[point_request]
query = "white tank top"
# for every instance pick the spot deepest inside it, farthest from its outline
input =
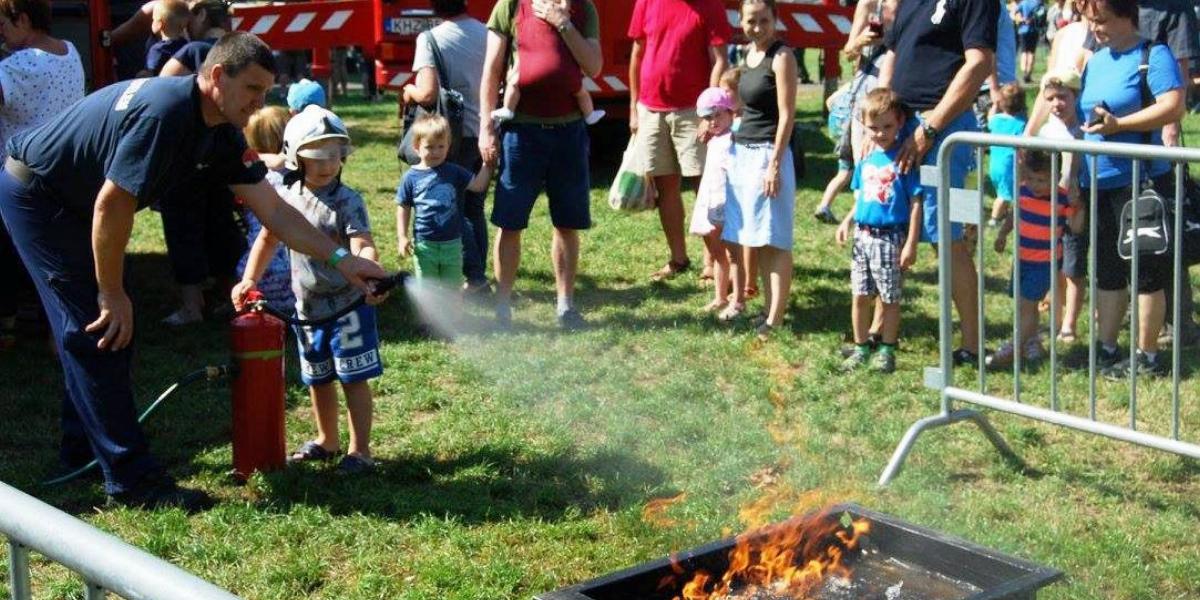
(1069, 40)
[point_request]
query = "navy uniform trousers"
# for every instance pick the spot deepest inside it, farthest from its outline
(98, 413)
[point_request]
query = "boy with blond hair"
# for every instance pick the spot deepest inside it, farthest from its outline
(168, 23)
(887, 216)
(432, 192)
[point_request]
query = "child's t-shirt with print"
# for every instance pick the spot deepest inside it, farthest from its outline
(883, 195)
(340, 213)
(436, 197)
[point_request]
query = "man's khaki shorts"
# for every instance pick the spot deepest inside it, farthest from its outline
(671, 141)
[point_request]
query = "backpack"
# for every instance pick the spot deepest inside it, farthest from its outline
(449, 104)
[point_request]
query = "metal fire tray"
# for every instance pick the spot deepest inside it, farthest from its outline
(898, 561)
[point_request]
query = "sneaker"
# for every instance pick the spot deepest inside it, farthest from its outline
(161, 491)
(873, 341)
(1106, 359)
(858, 359)
(962, 356)
(571, 320)
(825, 215)
(884, 362)
(1000, 358)
(1145, 368)
(478, 290)
(1034, 350)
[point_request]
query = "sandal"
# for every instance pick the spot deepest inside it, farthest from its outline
(763, 331)
(750, 292)
(1066, 337)
(670, 270)
(731, 312)
(353, 464)
(311, 451)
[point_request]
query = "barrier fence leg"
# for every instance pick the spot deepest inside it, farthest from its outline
(18, 571)
(910, 439)
(93, 591)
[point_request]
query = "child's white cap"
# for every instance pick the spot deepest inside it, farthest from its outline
(313, 124)
(1067, 78)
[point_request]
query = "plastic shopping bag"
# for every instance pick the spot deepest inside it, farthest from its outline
(632, 188)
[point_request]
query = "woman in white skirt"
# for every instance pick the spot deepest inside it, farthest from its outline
(761, 192)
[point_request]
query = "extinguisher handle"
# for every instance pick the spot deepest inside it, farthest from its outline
(387, 284)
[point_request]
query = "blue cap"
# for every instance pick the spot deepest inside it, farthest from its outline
(304, 93)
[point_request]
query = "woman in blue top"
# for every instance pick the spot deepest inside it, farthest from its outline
(1112, 77)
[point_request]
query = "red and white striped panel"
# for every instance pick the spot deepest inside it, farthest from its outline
(302, 22)
(605, 84)
(793, 22)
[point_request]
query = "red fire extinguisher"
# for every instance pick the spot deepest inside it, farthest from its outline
(257, 340)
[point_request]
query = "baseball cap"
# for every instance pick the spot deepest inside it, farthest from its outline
(713, 99)
(304, 93)
(1067, 78)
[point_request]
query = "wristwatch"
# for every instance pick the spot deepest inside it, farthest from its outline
(565, 26)
(930, 131)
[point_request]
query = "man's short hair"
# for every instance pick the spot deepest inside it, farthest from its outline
(448, 8)
(1124, 9)
(881, 101)
(430, 127)
(236, 51)
(38, 12)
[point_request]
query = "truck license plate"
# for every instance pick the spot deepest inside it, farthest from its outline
(406, 26)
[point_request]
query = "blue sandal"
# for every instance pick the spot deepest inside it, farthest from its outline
(310, 451)
(352, 464)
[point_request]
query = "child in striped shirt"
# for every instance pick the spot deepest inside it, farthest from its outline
(1035, 207)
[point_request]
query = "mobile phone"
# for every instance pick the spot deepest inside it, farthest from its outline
(1096, 117)
(876, 27)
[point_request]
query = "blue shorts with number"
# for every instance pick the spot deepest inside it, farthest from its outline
(346, 350)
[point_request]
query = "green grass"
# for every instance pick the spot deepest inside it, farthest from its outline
(517, 464)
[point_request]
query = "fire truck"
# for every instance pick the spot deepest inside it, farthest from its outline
(386, 31)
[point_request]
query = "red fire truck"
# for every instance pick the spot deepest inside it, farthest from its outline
(386, 31)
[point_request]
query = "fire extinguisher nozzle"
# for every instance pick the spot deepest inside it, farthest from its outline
(383, 286)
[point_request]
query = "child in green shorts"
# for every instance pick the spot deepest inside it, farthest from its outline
(432, 191)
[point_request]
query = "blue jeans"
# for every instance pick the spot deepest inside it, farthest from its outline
(962, 162)
(56, 247)
(474, 234)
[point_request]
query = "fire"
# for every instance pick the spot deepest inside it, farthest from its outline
(789, 560)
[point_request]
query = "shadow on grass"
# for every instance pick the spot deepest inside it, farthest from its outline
(490, 483)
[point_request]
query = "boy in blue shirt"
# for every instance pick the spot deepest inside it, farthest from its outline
(887, 212)
(1008, 120)
(433, 191)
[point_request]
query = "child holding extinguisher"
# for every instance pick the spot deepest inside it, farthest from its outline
(315, 144)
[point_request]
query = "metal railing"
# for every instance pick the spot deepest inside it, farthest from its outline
(967, 206)
(106, 564)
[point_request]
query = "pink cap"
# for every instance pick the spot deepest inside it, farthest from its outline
(713, 99)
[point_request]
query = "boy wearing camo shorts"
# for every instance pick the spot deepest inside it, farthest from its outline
(886, 225)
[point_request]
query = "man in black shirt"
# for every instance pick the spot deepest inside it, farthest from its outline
(946, 49)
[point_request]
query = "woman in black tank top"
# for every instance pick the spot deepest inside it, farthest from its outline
(762, 184)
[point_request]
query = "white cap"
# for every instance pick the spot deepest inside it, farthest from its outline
(314, 124)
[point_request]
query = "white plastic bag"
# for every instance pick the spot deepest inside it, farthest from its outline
(632, 188)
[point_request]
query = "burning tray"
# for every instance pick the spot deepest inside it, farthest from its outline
(846, 552)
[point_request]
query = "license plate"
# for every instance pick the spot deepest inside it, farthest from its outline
(406, 26)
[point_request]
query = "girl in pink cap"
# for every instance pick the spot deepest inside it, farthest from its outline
(716, 107)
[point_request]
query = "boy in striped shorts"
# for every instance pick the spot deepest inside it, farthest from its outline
(886, 225)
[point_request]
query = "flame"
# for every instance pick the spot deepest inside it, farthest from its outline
(789, 560)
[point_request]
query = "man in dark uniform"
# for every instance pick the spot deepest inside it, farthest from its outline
(68, 197)
(947, 49)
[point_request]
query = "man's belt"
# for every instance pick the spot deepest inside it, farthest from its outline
(19, 170)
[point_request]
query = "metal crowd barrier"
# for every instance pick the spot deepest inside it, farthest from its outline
(967, 206)
(106, 564)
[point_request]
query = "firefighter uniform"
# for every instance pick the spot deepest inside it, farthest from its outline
(148, 137)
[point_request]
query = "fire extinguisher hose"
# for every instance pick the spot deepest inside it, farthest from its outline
(382, 286)
(211, 373)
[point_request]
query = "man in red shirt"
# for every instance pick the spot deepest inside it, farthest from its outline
(678, 50)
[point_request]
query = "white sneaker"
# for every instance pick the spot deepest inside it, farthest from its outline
(501, 115)
(593, 118)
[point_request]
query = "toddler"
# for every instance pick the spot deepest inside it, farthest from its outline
(432, 190)
(512, 96)
(168, 23)
(1008, 120)
(264, 135)
(716, 107)
(316, 144)
(1033, 251)
(888, 216)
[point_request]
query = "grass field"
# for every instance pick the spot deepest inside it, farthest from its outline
(517, 464)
